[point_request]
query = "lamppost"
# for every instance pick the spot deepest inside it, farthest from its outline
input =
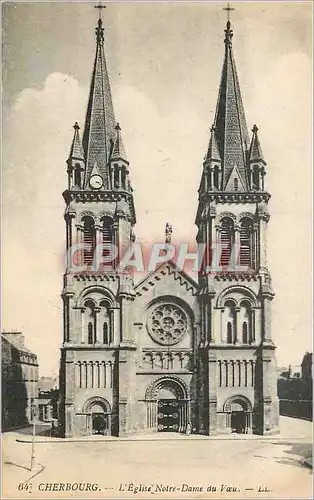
(33, 415)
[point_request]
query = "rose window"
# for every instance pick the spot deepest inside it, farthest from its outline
(167, 324)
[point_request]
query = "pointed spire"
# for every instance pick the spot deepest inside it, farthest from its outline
(99, 130)
(255, 153)
(118, 148)
(76, 150)
(230, 124)
(213, 151)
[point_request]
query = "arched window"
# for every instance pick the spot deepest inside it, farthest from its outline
(226, 240)
(255, 178)
(108, 241)
(216, 177)
(123, 178)
(244, 333)
(236, 184)
(89, 240)
(116, 177)
(246, 243)
(229, 332)
(105, 334)
(90, 330)
(230, 322)
(77, 176)
(247, 322)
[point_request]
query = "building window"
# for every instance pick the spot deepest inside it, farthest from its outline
(226, 241)
(229, 332)
(246, 243)
(236, 184)
(77, 176)
(247, 322)
(89, 240)
(108, 242)
(216, 177)
(244, 333)
(90, 333)
(256, 178)
(105, 334)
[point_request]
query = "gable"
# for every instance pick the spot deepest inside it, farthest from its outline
(168, 269)
(235, 179)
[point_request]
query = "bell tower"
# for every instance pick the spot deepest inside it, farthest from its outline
(97, 367)
(237, 366)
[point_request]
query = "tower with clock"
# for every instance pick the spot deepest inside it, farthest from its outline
(167, 354)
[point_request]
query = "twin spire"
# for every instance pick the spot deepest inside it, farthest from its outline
(102, 135)
(229, 142)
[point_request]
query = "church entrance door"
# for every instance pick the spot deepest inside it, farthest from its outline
(100, 423)
(168, 415)
(238, 422)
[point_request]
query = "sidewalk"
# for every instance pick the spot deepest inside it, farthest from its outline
(161, 437)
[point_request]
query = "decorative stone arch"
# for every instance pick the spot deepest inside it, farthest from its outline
(179, 384)
(225, 215)
(87, 213)
(240, 400)
(245, 215)
(107, 295)
(87, 407)
(103, 215)
(245, 292)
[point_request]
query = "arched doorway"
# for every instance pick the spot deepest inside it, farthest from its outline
(238, 411)
(99, 416)
(167, 403)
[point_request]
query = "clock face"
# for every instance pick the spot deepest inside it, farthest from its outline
(96, 182)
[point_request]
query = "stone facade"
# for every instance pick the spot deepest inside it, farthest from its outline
(19, 380)
(167, 354)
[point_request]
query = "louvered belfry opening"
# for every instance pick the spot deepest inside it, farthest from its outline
(89, 240)
(246, 236)
(108, 243)
(226, 241)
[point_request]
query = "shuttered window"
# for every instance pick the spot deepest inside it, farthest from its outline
(107, 239)
(246, 232)
(90, 240)
(226, 239)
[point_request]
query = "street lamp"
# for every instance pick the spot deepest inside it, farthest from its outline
(33, 415)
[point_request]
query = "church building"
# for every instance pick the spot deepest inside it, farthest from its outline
(168, 353)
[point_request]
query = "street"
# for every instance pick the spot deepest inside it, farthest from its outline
(172, 466)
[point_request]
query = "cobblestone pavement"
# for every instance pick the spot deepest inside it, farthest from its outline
(178, 467)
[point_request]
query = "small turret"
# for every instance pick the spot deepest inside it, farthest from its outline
(256, 163)
(76, 162)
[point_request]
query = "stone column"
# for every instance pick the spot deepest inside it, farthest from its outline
(266, 315)
(112, 177)
(212, 393)
(120, 177)
(116, 326)
(263, 220)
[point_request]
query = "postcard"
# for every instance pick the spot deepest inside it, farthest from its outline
(157, 264)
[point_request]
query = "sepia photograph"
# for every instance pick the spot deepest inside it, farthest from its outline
(156, 330)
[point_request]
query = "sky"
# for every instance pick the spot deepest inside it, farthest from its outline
(165, 62)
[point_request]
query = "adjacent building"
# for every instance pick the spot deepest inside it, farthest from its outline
(19, 380)
(168, 352)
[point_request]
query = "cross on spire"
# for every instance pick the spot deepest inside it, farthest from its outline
(100, 30)
(99, 7)
(228, 9)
